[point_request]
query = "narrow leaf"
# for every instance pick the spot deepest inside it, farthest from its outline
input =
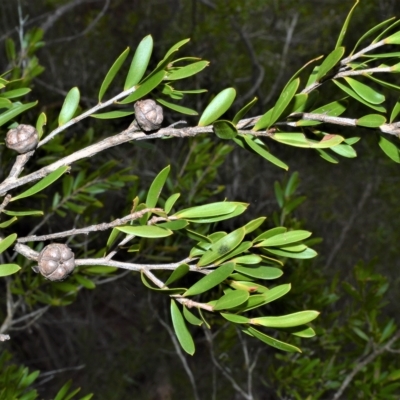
(191, 318)
(41, 121)
(177, 108)
(113, 114)
(147, 231)
(231, 300)
(182, 333)
(188, 70)
(390, 149)
(43, 183)
(345, 26)
(207, 210)
(243, 111)
(156, 187)
(330, 61)
(15, 110)
(371, 121)
(272, 341)
(112, 73)
(8, 269)
(179, 273)
(140, 62)
(218, 106)
(7, 242)
(69, 107)
(211, 280)
(260, 271)
(366, 92)
(170, 202)
(225, 129)
(286, 321)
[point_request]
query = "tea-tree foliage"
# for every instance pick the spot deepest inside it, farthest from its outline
(225, 273)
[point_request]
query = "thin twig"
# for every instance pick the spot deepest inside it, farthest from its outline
(182, 357)
(92, 228)
(360, 365)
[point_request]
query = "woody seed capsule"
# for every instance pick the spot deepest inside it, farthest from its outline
(22, 139)
(149, 115)
(56, 261)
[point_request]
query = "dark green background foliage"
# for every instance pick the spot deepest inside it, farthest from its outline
(116, 341)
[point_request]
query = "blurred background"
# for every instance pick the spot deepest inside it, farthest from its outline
(110, 341)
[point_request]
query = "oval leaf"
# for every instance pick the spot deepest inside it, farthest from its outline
(225, 129)
(43, 183)
(8, 269)
(7, 242)
(211, 280)
(41, 121)
(366, 92)
(390, 149)
(260, 271)
(156, 187)
(285, 238)
(191, 318)
(218, 106)
(207, 210)
(188, 70)
(179, 273)
(222, 247)
(140, 62)
(69, 107)
(371, 121)
(231, 300)
(330, 61)
(147, 231)
(112, 72)
(286, 321)
(182, 333)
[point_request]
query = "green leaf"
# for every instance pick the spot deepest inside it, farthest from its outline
(112, 73)
(5, 103)
(179, 273)
(284, 100)
(371, 121)
(12, 94)
(243, 247)
(243, 111)
(158, 289)
(156, 187)
(272, 341)
(304, 333)
(174, 225)
(147, 231)
(182, 333)
(191, 318)
(16, 109)
(188, 70)
(211, 280)
(393, 39)
(263, 152)
(176, 47)
(390, 149)
(9, 222)
(345, 26)
(222, 247)
(7, 242)
(298, 72)
(170, 202)
(86, 283)
(207, 210)
(225, 129)
(254, 224)
(8, 269)
(270, 233)
(248, 259)
(330, 61)
(232, 299)
(264, 121)
(177, 108)
(285, 238)
(100, 269)
(41, 121)
(63, 391)
(113, 114)
(218, 106)
(236, 319)
(69, 107)
(140, 62)
(395, 111)
(260, 271)
(371, 31)
(344, 150)
(23, 213)
(276, 292)
(43, 183)
(366, 92)
(353, 94)
(145, 88)
(302, 255)
(286, 321)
